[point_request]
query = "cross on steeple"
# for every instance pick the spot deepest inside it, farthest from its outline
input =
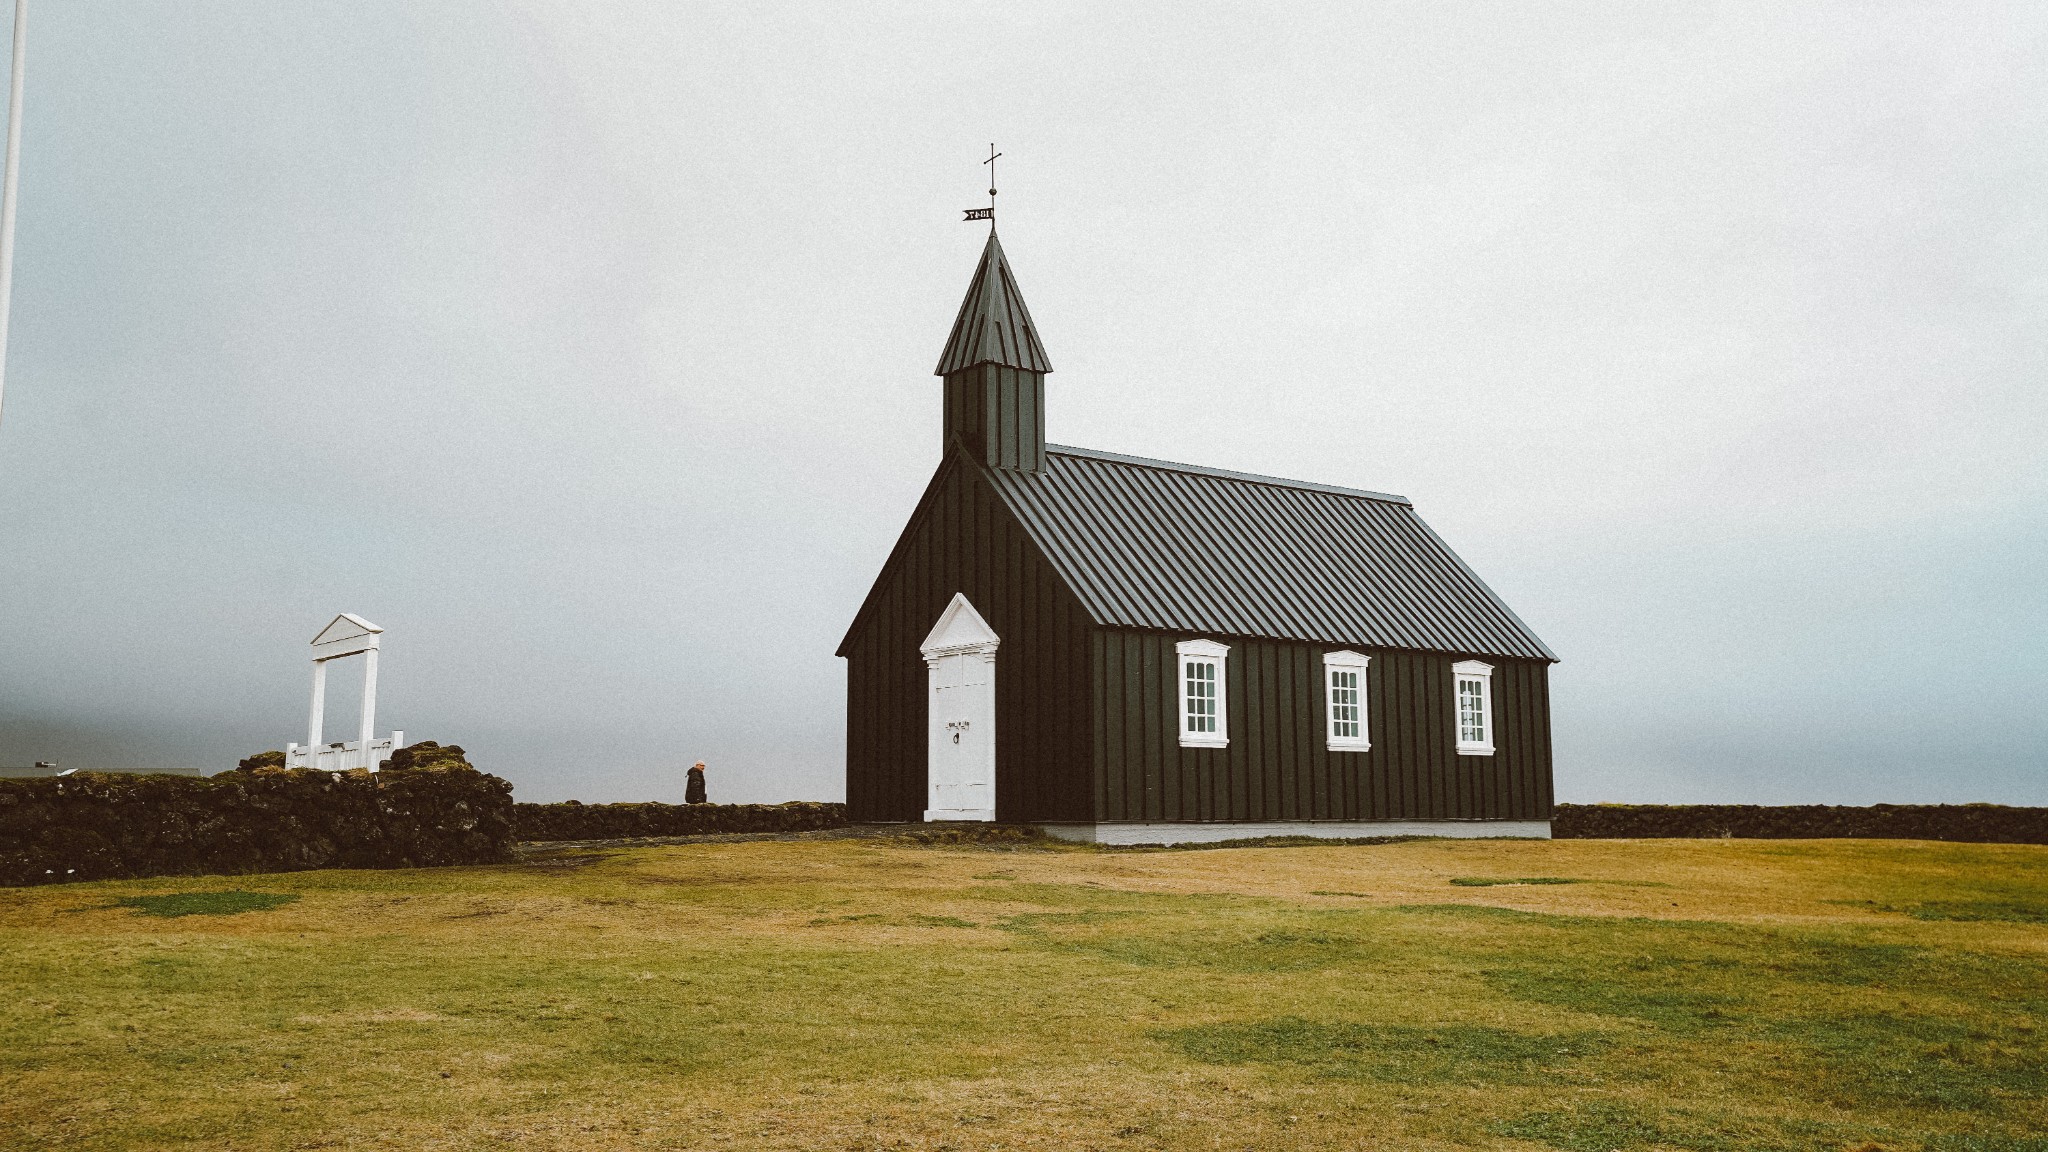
(988, 213)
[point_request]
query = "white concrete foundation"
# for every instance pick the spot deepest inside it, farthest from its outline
(1324, 829)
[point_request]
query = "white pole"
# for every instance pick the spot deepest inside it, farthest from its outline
(369, 727)
(319, 710)
(7, 196)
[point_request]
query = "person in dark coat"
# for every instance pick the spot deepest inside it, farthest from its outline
(693, 791)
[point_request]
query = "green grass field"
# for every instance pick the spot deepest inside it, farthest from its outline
(873, 994)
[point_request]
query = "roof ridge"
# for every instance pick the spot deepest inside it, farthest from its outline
(1225, 473)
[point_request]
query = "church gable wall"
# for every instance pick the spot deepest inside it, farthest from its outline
(1278, 766)
(964, 541)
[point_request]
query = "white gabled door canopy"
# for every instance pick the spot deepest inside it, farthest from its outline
(960, 629)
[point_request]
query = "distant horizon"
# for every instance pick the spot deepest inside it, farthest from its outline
(18, 773)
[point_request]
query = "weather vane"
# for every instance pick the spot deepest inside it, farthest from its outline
(988, 213)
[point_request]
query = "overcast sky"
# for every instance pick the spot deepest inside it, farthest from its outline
(586, 349)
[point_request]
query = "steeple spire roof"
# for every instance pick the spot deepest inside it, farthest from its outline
(994, 326)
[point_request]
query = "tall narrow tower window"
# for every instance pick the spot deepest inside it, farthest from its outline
(1204, 708)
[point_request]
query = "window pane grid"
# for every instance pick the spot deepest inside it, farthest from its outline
(1471, 712)
(1343, 704)
(1201, 689)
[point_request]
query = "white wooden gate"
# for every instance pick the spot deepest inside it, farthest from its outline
(346, 635)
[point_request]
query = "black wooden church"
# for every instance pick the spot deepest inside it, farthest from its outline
(1135, 651)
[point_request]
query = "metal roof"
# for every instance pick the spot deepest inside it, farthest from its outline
(994, 326)
(1225, 473)
(1152, 544)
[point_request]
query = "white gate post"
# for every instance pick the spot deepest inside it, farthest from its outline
(313, 722)
(369, 724)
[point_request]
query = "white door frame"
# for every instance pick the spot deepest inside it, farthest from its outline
(962, 633)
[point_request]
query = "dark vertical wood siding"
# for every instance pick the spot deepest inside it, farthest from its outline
(999, 412)
(965, 541)
(1278, 765)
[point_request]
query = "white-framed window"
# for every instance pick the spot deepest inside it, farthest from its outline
(1472, 682)
(1348, 728)
(1204, 711)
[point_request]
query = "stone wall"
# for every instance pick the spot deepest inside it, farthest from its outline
(576, 821)
(1975, 823)
(95, 826)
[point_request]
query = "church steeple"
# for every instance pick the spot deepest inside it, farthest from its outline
(994, 326)
(994, 368)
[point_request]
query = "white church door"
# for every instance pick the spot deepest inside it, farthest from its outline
(960, 658)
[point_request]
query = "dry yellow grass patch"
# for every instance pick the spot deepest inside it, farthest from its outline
(872, 995)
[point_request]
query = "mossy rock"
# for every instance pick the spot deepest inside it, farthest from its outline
(428, 754)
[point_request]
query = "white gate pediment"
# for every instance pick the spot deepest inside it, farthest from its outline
(346, 635)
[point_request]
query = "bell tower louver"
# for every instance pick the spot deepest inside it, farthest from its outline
(994, 370)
